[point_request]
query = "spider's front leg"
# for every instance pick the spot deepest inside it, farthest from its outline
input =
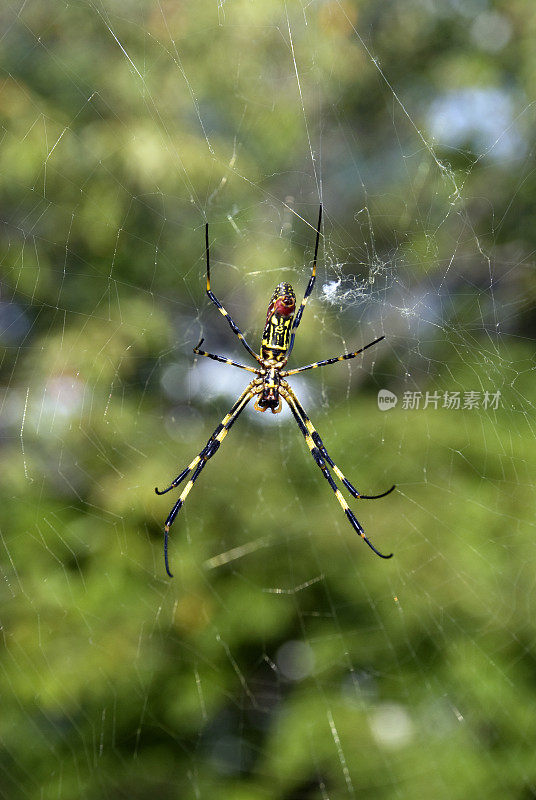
(315, 436)
(199, 462)
(320, 455)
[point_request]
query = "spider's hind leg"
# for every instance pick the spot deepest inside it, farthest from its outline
(234, 327)
(309, 289)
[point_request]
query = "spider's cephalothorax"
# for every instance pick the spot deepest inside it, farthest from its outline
(269, 392)
(269, 387)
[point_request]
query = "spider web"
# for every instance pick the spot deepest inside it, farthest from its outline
(284, 660)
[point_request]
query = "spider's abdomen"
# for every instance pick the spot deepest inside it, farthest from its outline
(276, 335)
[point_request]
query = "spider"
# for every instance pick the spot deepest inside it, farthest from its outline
(269, 387)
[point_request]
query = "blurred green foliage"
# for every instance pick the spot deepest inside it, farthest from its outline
(284, 660)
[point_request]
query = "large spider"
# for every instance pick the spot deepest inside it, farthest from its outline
(269, 386)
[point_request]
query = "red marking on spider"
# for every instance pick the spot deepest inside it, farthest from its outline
(284, 306)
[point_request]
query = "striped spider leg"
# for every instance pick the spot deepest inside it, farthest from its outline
(200, 462)
(334, 360)
(234, 327)
(223, 360)
(321, 456)
(308, 290)
(270, 388)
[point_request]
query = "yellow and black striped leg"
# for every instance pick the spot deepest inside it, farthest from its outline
(312, 279)
(199, 463)
(334, 360)
(182, 475)
(321, 463)
(234, 327)
(223, 359)
(315, 436)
